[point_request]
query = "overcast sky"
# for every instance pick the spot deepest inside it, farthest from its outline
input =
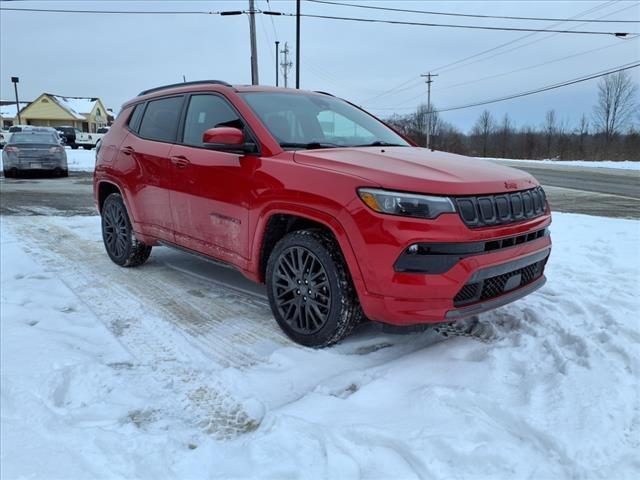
(115, 56)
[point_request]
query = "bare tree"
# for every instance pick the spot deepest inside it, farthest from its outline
(616, 104)
(483, 129)
(504, 135)
(549, 128)
(582, 132)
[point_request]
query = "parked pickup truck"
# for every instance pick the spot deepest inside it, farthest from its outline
(77, 138)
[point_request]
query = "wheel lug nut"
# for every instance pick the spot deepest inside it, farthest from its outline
(309, 292)
(298, 282)
(298, 292)
(304, 298)
(306, 282)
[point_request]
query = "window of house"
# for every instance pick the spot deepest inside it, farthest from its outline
(205, 112)
(161, 118)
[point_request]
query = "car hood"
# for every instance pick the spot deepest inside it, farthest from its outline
(419, 170)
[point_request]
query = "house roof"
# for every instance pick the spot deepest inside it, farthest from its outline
(78, 107)
(9, 110)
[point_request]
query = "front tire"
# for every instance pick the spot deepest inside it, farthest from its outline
(121, 244)
(310, 290)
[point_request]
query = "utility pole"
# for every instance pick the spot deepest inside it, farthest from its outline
(254, 47)
(277, 62)
(429, 81)
(297, 43)
(286, 64)
(15, 81)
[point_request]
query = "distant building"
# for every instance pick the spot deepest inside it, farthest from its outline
(85, 113)
(8, 113)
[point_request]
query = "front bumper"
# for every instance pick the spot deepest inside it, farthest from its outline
(399, 296)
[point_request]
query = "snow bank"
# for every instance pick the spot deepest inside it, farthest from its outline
(81, 160)
(556, 396)
(623, 165)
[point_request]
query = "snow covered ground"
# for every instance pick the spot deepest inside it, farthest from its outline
(81, 160)
(623, 165)
(158, 373)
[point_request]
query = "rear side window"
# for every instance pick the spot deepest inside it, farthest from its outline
(205, 112)
(134, 119)
(161, 118)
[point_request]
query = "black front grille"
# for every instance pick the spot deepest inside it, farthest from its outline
(495, 286)
(487, 210)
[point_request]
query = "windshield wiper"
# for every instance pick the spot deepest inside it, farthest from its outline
(310, 145)
(380, 143)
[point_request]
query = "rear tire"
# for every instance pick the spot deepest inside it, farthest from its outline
(310, 290)
(121, 244)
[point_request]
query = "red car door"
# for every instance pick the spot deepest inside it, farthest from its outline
(210, 196)
(150, 170)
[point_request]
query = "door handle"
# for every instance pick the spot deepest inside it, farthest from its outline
(128, 150)
(180, 161)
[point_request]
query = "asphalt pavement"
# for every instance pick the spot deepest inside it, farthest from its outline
(593, 191)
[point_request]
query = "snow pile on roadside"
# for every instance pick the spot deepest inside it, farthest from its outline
(81, 160)
(622, 165)
(556, 396)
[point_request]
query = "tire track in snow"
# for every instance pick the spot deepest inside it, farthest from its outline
(164, 334)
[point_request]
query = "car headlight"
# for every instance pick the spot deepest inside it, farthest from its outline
(405, 204)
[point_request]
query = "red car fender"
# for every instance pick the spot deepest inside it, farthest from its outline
(317, 216)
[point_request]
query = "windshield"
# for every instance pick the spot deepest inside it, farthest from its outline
(299, 120)
(33, 138)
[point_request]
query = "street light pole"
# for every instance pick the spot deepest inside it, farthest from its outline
(15, 81)
(254, 48)
(277, 62)
(298, 44)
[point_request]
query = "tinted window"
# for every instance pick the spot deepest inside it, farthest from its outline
(300, 119)
(160, 121)
(205, 112)
(33, 138)
(134, 119)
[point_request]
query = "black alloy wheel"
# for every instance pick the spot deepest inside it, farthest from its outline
(310, 290)
(302, 292)
(118, 236)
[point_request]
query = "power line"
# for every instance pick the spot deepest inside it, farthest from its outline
(501, 17)
(124, 12)
(448, 87)
(519, 39)
(555, 60)
(517, 47)
(415, 82)
(554, 86)
(446, 25)
(463, 62)
(544, 89)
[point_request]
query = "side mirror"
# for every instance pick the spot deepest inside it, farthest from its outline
(227, 139)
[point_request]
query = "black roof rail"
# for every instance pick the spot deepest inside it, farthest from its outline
(185, 84)
(324, 93)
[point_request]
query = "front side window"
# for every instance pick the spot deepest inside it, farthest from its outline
(300, 120)
(161, 118)
(205, 112)
(134, 119)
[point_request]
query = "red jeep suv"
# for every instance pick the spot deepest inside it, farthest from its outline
(342, 217)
